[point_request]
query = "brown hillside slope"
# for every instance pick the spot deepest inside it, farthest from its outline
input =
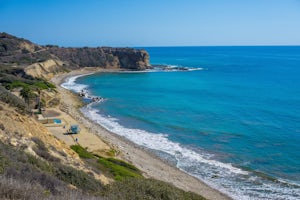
(21, 131)
(44, 61)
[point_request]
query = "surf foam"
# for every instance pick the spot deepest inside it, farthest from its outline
(225, 177)
(173, 68)
(233, 181)
(71, 85)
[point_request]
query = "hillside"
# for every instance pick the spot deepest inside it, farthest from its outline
(37, 164)
(53, 59)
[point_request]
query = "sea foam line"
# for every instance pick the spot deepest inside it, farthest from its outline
(153, 141)
(70, 84)
(175, 68)
(234, 182)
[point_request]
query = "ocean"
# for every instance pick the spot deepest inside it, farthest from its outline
(231, 120)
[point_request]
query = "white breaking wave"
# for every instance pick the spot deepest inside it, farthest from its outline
(154, 141)
(71, 85)
(233, 181)
(176, 68)
(166, 68)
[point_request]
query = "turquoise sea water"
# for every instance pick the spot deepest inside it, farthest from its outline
(233, 123)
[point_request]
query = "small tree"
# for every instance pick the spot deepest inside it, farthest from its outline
(26, 94)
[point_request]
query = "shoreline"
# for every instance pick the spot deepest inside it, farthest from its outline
(151, 165)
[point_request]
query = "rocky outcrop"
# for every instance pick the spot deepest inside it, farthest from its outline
(44, 61)
(130, 58)
(106, 57)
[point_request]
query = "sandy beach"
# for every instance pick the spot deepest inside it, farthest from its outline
(100, 140)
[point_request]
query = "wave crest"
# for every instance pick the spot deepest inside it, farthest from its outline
(175, 68)
(235, 182)
(70, 84)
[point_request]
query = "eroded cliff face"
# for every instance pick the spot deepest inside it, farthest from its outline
(46, 69)
(106, 57)
(130, 58)
(45, 61)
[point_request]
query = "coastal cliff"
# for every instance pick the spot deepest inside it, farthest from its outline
(45, 61)
(41, 159)
(105, 57)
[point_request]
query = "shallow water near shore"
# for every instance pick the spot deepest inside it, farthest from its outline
(233, 123)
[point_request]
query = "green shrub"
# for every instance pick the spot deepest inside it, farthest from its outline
(119, 169)
(16, 84)
(50, 85)
(82, 152)
(43, 85)
(124, 164)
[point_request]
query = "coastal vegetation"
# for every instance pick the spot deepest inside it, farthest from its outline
(24, 176)
(15, 77)
(32, 167)
(50, 178)
(82, 152)
(117, 169)
(12, 100)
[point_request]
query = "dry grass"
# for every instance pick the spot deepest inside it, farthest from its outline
(17, 189)
(42, 151)
(23, 176)
(147, 189)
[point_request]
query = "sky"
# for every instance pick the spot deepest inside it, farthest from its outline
(141, 23)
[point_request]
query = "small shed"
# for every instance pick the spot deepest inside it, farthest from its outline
(74, 129)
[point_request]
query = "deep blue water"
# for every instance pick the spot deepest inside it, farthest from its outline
(235, 124)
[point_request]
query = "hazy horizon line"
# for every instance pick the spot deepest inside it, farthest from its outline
(172, 46)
